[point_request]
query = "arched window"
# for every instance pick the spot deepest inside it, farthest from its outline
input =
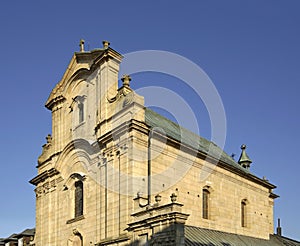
(244, 213)
(81, 111)
(205, 203)
(78, 198)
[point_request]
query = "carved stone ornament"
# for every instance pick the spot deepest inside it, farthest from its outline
(46, 150)
(123, 91)
(39, 191)
(76, 232)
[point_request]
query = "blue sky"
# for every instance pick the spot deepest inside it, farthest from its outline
(249, 49)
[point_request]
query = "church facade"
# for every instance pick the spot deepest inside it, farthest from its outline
(114, 172)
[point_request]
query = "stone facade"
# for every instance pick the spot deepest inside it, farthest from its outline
(101, 139)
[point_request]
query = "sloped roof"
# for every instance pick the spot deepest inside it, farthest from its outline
(182, 135)
(15, 236)
(27, 232)
(195, 236)
(287, 241)
(12, 237)
(189, 138)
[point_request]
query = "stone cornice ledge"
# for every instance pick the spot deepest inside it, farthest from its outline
(273, 195)
(43, 176)
(169, 213)
(157, 209)
(171, 218)
(54, 102)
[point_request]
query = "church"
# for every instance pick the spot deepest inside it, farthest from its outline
(114, 172)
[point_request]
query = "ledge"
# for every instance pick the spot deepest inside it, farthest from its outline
(81, 217)
(43, 176)
(273, 195)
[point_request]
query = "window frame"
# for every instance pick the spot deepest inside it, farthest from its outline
(78, 199)
(244, 205)
(80, 112)
(205, 203)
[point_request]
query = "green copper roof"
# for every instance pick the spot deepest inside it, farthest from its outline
(173, 130)
(195, 236)
(244, 158)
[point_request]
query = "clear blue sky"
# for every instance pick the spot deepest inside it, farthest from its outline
(250, 50)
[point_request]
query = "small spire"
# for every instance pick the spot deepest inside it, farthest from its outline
(278, 229)
(126, 80)
(105, 44)
(244, 159)
(81, 45)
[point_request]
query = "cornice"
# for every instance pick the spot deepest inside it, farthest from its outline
(154, 216)
(219, 163)
(273, 195)
(143, 128)
(173, 217)
(125, 127)
(109, 53)
(43, 176)
(55, 102)
(245, 175)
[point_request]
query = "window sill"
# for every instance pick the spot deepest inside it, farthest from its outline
(81, 217)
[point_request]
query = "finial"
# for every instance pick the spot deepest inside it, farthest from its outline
(158, 198)
(49, 138)
(278, 229)
(244, 159)
(126, 80)
(173, 197)
(81, 45)
(265, 178)
(105, 44)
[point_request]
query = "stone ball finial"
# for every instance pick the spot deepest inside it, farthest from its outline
(158, 198)
(105, 44)
(126, 80)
